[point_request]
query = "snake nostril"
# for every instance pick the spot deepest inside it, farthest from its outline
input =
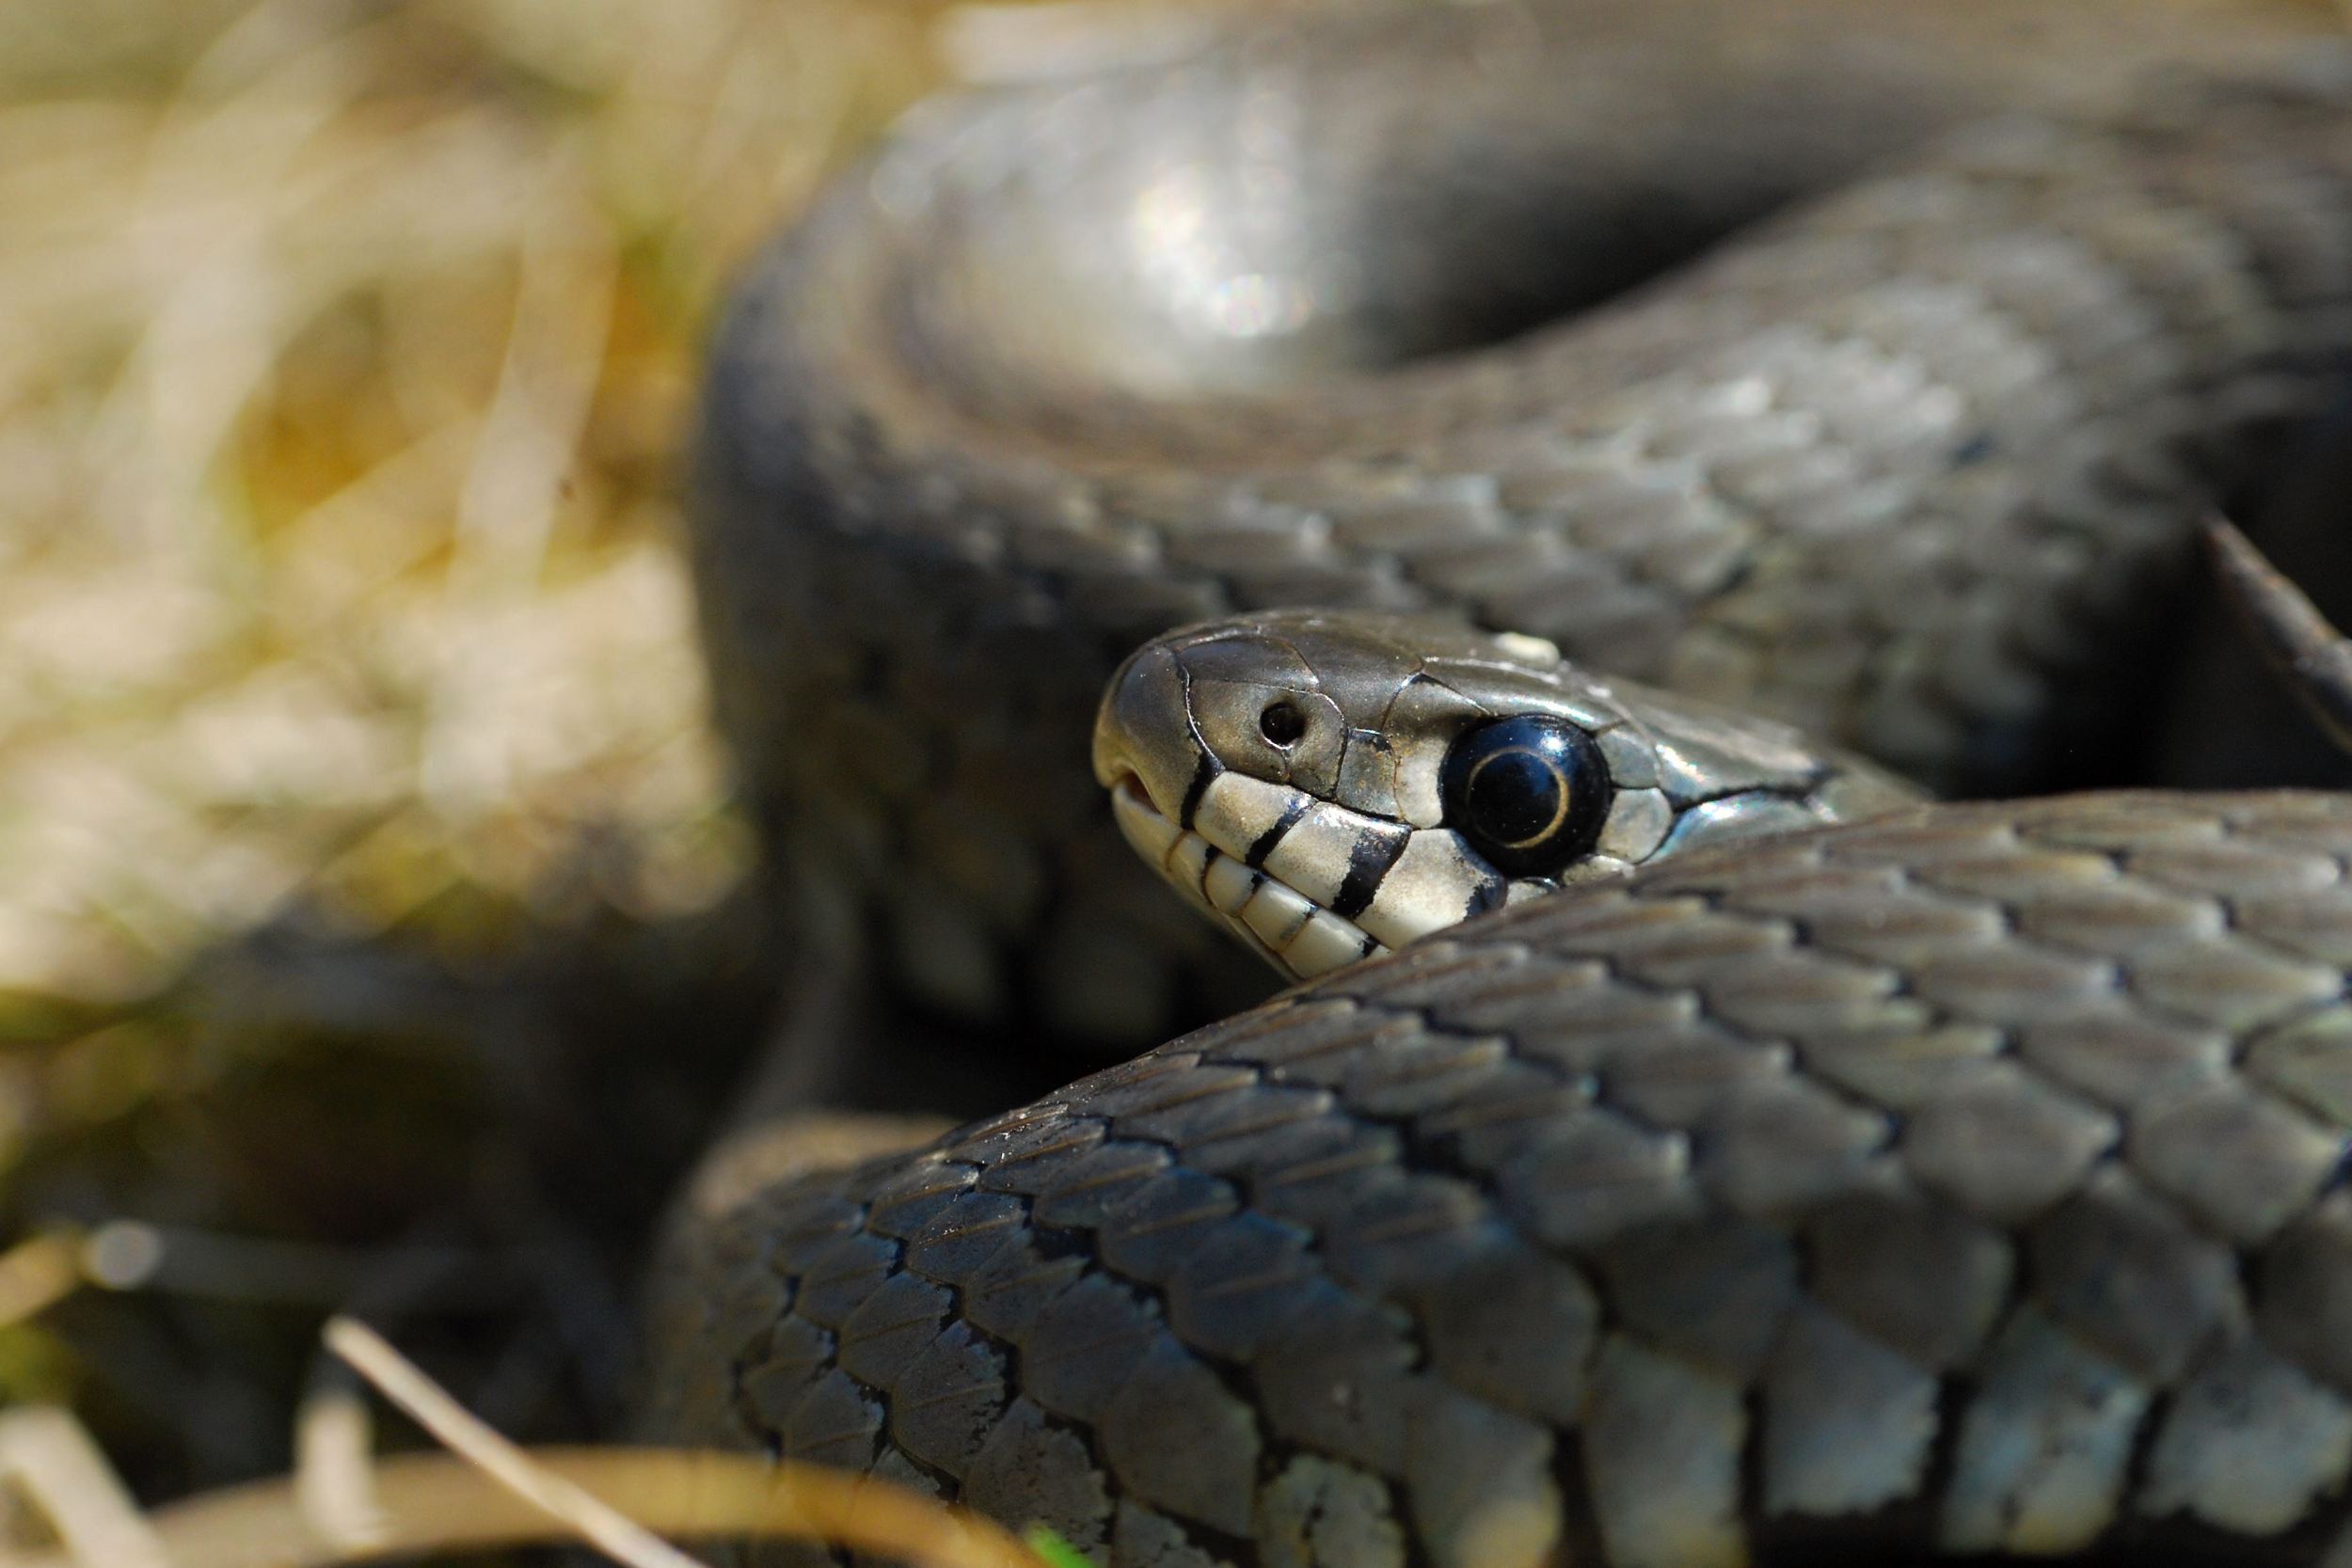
(1282, 723)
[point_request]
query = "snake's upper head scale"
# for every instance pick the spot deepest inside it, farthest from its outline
(1333, 784)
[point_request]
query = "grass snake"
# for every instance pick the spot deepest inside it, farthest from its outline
(1965, 1178)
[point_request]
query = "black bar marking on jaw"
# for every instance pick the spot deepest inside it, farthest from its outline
(1368, 862)
(1203, 774)
(1266, 841)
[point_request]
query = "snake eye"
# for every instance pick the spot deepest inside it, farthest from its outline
(1281, 722)
(1530, 792)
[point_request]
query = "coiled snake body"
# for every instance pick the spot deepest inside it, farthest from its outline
(1965, 1180)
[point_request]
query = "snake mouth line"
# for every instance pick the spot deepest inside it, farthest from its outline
(1296, 935)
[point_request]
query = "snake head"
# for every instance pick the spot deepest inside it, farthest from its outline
(1333, 784)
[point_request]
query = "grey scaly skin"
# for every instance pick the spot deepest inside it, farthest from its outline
(1971, 1178)
(1968, 1179)
(1059, 369)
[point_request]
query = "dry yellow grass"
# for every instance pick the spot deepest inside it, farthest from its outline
(345, 351)
(345, 1506)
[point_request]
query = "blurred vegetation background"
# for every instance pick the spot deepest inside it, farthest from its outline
(374, 930)
(371, 923)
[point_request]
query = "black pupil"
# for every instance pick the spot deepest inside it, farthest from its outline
(1530, 792)
(1516, 797)
(1281, 723)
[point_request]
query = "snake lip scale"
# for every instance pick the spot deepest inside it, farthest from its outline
(1291, 931)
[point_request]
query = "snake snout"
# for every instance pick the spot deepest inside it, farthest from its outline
(1140, 732)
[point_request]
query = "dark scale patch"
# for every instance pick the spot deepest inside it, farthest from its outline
(1054, 1243)
(1975, 450)
(1368, 862)
(1887, 1540)
(2143, 1461)
(1580, 1521)
(1752, 1477)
